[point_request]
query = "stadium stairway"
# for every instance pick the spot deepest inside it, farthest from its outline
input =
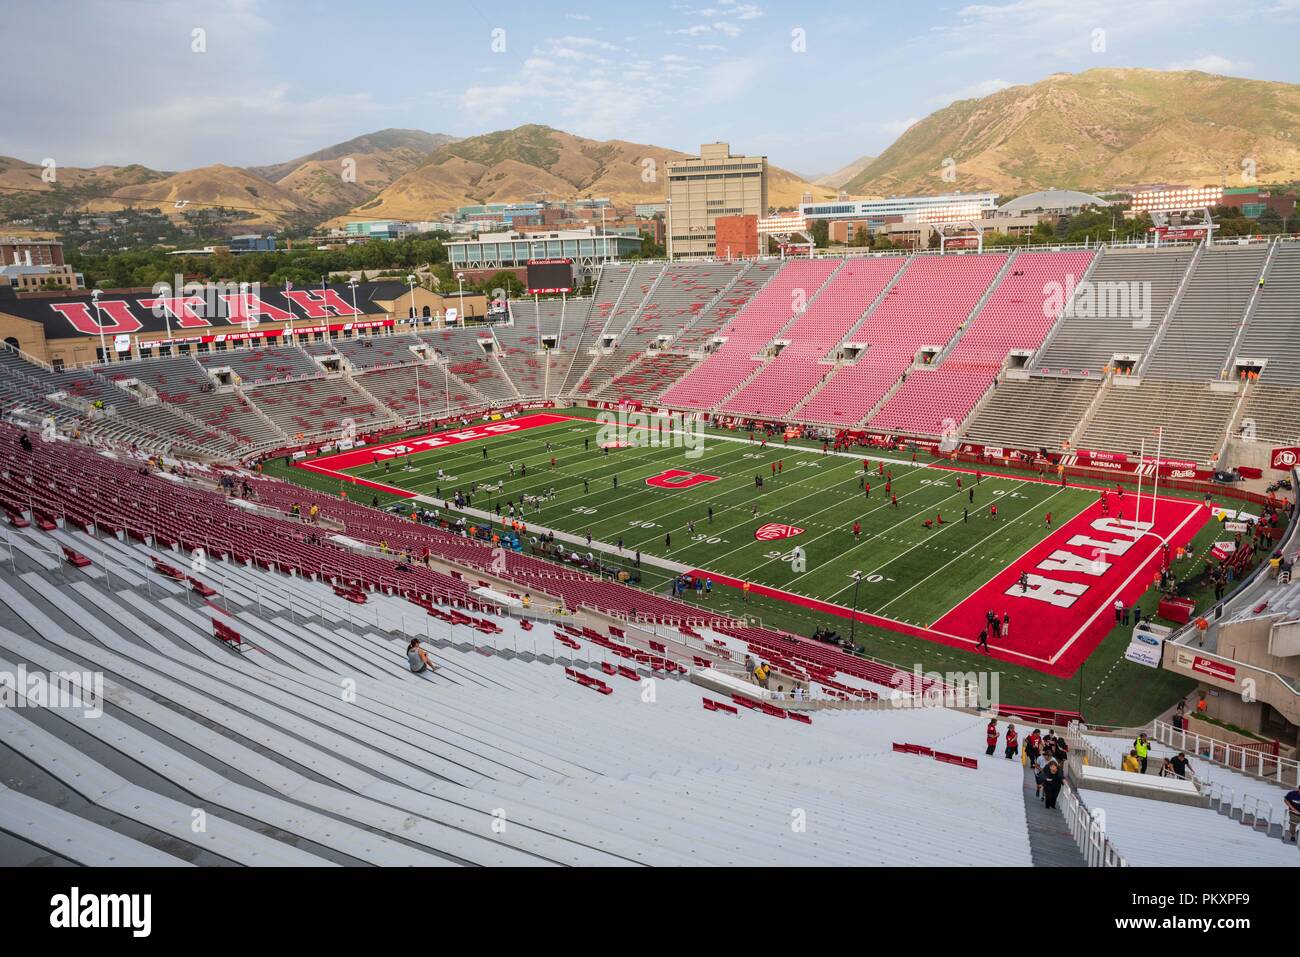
(1050, 842)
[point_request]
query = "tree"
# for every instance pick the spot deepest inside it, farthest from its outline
(1269, 221)
(649, 248)
(504, 280)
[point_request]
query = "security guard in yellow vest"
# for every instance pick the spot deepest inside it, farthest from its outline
(1143, 747)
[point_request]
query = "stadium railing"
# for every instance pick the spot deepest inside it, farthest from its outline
(1261, 760)
(1089, 831)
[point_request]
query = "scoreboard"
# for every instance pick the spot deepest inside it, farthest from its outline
(550, 275)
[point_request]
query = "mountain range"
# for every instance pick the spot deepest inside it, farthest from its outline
(1094, 130)
(1098, 129)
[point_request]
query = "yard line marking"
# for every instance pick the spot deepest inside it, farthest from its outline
(1034, 507)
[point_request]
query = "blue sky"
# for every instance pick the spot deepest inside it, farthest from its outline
(812, 84)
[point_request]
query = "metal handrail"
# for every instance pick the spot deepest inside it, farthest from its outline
(1088, 828)
(1236, 757)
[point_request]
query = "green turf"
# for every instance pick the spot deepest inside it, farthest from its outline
(915, 574)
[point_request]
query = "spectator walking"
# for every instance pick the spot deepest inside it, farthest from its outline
(1013, 742)
(991, 736)
(1053, 780)
(1292, 802)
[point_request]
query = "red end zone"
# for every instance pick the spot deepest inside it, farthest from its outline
(1075, 575)
(334, 465)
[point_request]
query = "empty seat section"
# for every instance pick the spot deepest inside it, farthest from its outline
(462, 348)
(1274, 327)
(262, 365)
(1130, 292)
(1200, 333)
(799, 367)
(750, 332)
(1194, 417)
(700, 333)
(1017, 316)
(313, 406)
(1033, 413)
(925, 307)
(647, 380)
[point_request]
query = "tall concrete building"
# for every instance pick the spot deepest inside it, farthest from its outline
(700, 190)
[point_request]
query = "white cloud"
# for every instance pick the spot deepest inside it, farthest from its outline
(1212, 63)
(897, 128)
(972, 92)
(576, 16)
(168, 106)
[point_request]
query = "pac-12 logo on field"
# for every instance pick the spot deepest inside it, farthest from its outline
(774, 530)
(679, 478)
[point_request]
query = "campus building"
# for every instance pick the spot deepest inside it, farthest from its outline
(877, 212)
(704, 188)
(508, 250)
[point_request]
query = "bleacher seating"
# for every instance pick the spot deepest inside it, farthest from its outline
(681, 291)
(1014, 317)
(614, 280)
(1033, 413)
(699, 333)
(926, 306)
(1274, 327)
(1200, 333)
(1194, 417)
(1086, 340)
(795, 287)
(647, 380)
(377, 352)
(312, 407)
(799, 367)
(469, 362)
(1269, 413)
(262, 365)
(396, 388)
(181, 381)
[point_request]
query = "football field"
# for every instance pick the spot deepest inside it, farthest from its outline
(930, 559)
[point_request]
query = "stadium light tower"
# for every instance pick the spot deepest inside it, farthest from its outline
(99, 320)
(353, 282)
(460, 281)
(668, 205)
(410, 281)
(853, 622)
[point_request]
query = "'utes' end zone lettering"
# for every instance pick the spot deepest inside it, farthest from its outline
(1072, 579)
(334, 465)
